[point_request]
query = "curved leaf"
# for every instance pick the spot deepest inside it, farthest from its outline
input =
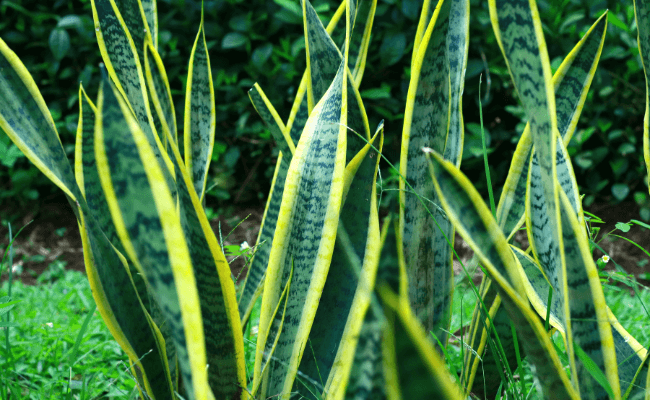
(160, 93)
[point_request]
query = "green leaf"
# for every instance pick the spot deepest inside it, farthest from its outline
(392, 48)
(25, 118)
(425, 233)
(305, 233)
(623, 227)
(160, 93)
(620, 191)
(616, 21)
(150, 10)
(347, 291)
(200, 115)
(474, 222)
(59, 42)
(146, 218)
(119, 290)
(413, 368)
(233, 40)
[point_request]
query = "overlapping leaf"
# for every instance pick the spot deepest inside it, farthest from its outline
(475, 223)
(642, 15)
(149, 226)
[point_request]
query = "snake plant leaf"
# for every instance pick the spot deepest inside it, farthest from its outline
(366, 375)
(257, 269)
(518, 30)
(360, 38)
(323, 56)
(254, 283)
(135, 22)
(150, 9)
(300, 108)
(200, 116)
(474, 222)
(629, 353)
(160, 93)
(224, 343)
(571, 83)
(347, 291)
(642, 17)
(120, 56)
(149, 226)
(412, 367)
(119, 291)
(590, 328)
(272, 121)
(305, 234)
(457, 47)
(424, 251)
(25, 118)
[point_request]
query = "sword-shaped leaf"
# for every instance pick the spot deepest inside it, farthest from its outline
(629, 353)
(457, 46)
(122, 62)
(590, 328)
(134, 18)
(119, 290)
(149, 226)
(160, 93)
(150, 8)
(25, 118)
(571, 82)
(305, 233)
(257, 269)
(642, 16)
(200, 116)
(412, 367)
(474, 222)
(224, 344)
(424, 249)
(349, 285)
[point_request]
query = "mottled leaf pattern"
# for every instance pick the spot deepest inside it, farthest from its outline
(152, 236)
(200, 114)
(347, 291)
(305, 234)
(418, 372)
(160, 92)
(150, 8)
(27, 121)
(425, 253)
(474, 222)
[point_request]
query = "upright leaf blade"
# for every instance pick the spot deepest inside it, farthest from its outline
(424, 252)
(149, 227)
(200, 116)
(160, 93)
(642, 15)
(305, 234)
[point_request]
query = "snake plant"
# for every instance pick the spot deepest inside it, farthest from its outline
(336, 322)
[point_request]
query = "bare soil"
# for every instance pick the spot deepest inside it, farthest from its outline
(53, 234)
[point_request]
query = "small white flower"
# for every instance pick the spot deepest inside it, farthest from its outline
(605, 259)
(50, 324)
(244, 246)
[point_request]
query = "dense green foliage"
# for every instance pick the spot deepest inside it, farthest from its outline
(263, 42)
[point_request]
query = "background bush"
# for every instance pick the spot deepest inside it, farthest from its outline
(262, 41)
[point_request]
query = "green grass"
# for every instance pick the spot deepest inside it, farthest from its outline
(43, 362)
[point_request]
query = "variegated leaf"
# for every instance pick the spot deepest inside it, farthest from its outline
(149, 227)
(160, 93)
(349, 285)
(200, 115)
(424, 251)
(474, 222)
(305, 234)
(413, 369)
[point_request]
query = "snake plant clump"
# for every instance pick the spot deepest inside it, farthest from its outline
(335, 322)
